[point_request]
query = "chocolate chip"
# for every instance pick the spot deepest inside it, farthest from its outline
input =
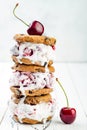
(45, 64)
(16, 86)
(18, 92)
(21, 96)
(30, 91)
(46, 39)
(25, 86)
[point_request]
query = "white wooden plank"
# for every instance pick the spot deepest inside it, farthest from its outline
(4, 87)
(63, 74)
(8, 123)
(78, 72)
(5, 72)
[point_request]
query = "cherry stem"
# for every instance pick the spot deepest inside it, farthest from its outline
(17, 16)
(63, 91)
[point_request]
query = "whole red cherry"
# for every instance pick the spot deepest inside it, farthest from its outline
(68, 115)
(36, 28)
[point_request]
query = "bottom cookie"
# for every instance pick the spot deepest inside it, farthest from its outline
(32, 114)
(30, 121)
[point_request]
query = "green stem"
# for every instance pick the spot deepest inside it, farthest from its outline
(17, 16)
(63, 91)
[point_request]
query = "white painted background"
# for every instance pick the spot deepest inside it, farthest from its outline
(64, 19)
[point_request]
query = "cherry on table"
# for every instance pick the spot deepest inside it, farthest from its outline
(68, 115)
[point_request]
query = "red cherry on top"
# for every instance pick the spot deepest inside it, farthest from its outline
(68, 115)
(36, 28)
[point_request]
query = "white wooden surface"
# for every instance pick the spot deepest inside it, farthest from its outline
(73, 78)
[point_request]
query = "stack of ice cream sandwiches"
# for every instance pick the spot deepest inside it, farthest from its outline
(32, 81)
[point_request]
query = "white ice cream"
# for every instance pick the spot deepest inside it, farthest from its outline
(35, 52)
(38, 112)
(30, 81)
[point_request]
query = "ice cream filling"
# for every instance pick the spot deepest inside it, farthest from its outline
(38, 112)
(35, 52)
(30, 81)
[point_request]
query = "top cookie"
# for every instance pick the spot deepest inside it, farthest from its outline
(21, 38)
